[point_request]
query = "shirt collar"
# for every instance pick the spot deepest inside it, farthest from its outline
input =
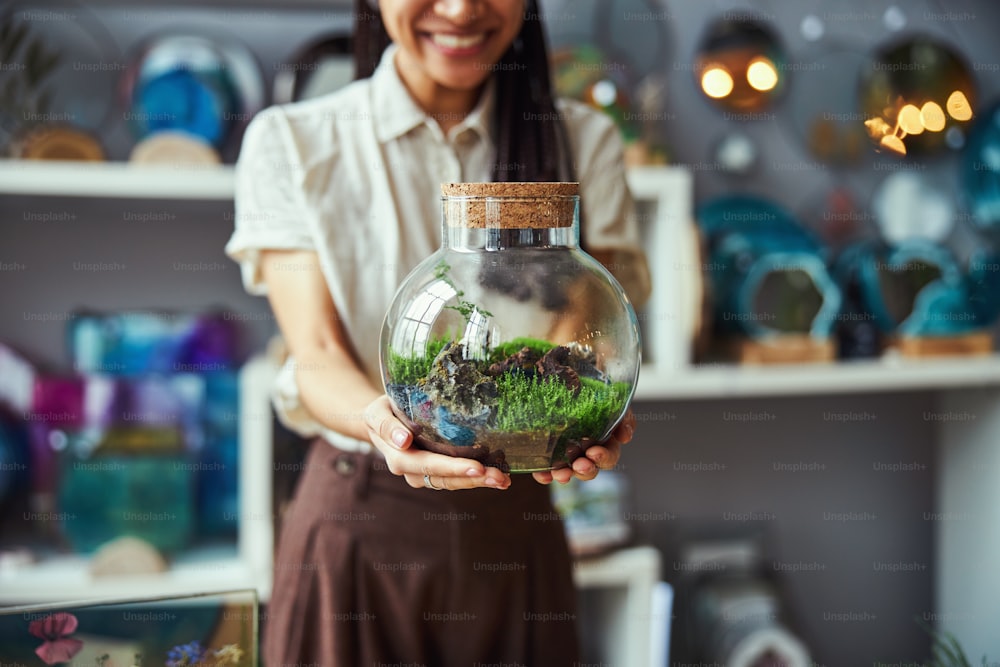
(395, 113)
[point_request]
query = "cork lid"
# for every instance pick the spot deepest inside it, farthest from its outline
(514, 205)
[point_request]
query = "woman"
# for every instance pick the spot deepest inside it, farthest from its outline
(337, 200)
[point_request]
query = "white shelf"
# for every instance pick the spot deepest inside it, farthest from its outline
(627, 621)
(115, 179)
(889, 374)
(245, 565)
(66, 578)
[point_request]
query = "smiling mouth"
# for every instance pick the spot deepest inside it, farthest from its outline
(458, 41)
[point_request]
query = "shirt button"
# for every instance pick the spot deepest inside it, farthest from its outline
(344, 465)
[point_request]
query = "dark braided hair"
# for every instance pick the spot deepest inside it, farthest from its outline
(528, 130)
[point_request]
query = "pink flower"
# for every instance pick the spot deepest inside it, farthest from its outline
(54, 629)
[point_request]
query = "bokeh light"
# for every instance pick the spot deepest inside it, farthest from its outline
(740, 63)
(917, 96)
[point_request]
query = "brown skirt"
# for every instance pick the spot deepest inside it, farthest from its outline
(370, 571)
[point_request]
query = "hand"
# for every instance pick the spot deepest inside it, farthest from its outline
(395, 441)
(603, 456)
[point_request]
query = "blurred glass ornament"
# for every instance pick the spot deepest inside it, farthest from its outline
(585, 73)
(980, 170)
(917, 289)
(81, 82)
(913, 205)
(740, 64)
(768, 272)
(914, 94)
(322, 67)
(207, 87)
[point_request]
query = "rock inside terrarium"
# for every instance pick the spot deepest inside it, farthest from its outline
(530, 405)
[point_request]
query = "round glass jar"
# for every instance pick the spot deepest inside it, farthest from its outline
(510, 345)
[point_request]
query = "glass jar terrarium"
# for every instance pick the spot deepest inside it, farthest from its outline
(510, 345)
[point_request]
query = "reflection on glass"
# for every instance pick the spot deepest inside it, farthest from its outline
(739, 64)
(916, 96)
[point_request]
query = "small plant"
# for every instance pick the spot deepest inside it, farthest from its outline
(945, 650)
(465, 308)
(28, 62)
(513, 346)
(530, 403)
(408, 370)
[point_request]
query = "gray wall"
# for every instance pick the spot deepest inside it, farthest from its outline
(157, 273)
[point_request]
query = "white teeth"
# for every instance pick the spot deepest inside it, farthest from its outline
(457, 41)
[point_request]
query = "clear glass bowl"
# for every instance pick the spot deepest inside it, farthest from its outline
(510, 345)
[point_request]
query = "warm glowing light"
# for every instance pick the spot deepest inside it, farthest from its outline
(716, 82)
(909, 120)
(761, 75)
(894, 143)
(877, 127)
(932, 116)
(958, 106)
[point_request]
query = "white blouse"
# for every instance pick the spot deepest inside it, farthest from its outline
(355, 177)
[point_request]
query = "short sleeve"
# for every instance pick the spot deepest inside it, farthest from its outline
(269, 197)
(610, 226)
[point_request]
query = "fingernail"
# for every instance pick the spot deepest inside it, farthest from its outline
(399, 437)
(598, 457)
(472, 472)
(491, 482)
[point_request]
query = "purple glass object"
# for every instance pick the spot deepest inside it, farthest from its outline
(140, 343)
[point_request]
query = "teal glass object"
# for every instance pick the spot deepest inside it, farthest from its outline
(980, 172)
(218, 469)
(140, 343)
(106, 497)
(768, 273)
(14, 458)
(983, 285)
(917, 288)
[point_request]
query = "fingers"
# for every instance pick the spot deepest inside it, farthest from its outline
(426, 469)
(384, 429)
(626, 428)
(391, 437)
(544, 477)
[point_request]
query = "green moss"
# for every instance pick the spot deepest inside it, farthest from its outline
(528, 404)
(408, 370)
(513, 346)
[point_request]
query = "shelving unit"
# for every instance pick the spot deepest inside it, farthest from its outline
(968, 450)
